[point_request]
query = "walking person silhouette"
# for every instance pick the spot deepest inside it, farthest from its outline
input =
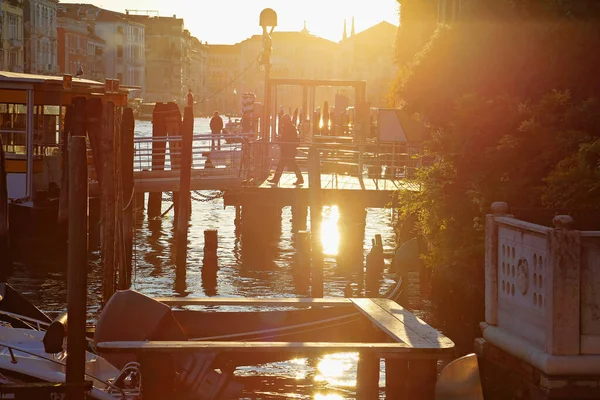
(288, 142)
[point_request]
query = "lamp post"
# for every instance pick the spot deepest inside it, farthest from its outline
(268, 19)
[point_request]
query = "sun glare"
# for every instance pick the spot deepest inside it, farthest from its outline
(335, 369)
(330, 234)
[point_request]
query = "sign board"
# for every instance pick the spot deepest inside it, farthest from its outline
(394, 125)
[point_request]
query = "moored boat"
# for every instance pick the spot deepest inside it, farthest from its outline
(32, 126)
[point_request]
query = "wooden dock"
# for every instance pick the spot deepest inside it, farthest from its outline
(366, 192)
(409, 346)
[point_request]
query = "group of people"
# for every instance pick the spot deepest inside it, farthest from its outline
(288, 139)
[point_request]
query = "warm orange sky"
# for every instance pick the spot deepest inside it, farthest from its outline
(231, 21)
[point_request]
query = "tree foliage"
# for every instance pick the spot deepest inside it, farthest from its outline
(508, 96)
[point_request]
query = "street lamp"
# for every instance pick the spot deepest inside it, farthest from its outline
(268, 19)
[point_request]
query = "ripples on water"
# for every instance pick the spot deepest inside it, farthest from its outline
(328, 377)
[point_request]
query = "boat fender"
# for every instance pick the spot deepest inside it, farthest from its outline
(55, 335)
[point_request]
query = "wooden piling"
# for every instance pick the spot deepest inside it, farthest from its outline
(77, 264)
(140, 202)
(94, 129)
(210, 262)
(238, 217)
(302, 265)
(63, 201)
(185, 176)
(5, 260)
(316, 209)
(396, 377)
(158, 157)
(367, 376)
(108, 201)
(127, 131)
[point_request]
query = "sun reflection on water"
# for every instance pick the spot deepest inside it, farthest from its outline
(330, 234)
(335, 369)
(319, 396)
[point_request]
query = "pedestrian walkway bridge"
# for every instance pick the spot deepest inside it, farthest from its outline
(239, 166)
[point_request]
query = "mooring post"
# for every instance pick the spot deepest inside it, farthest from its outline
(140, 202)
(210, 262)
(5, 259)
(374, 267)
(396, 376)
(127, 131)
(173, 131)
(367, 376)
(94, 130)
(107, 199)
(63, 201)
(302, 265)
(238, 216)
(420, 380)
(158, 156)
(316, 208)
(119, 246)
(77, 264)
(184, 186)
(299, 216)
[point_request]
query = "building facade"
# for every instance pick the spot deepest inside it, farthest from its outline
(41, 38)
(223, 68)
(80, 50)
(369, 56)
(12, 49)
(196, 79)
(72, 45)
(124, 54)
(166, 58)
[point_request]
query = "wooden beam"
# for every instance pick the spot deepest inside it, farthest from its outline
(294, 302)
(263, 347)
(401, 325)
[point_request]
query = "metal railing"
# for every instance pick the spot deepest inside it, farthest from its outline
(209, 152)
(237, 156)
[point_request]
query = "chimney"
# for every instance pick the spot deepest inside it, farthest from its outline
(345, 35)
(352, 30)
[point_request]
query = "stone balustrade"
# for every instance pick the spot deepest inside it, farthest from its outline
(542, 293)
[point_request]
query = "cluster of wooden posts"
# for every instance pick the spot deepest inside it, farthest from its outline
(110, 132)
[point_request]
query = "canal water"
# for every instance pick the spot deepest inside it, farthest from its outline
(328, 377)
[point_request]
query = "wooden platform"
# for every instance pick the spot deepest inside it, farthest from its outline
(366, 192)
(168, 181)
(410, 337)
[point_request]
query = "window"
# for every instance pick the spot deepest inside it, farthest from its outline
(120, 51)
(13, 25)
